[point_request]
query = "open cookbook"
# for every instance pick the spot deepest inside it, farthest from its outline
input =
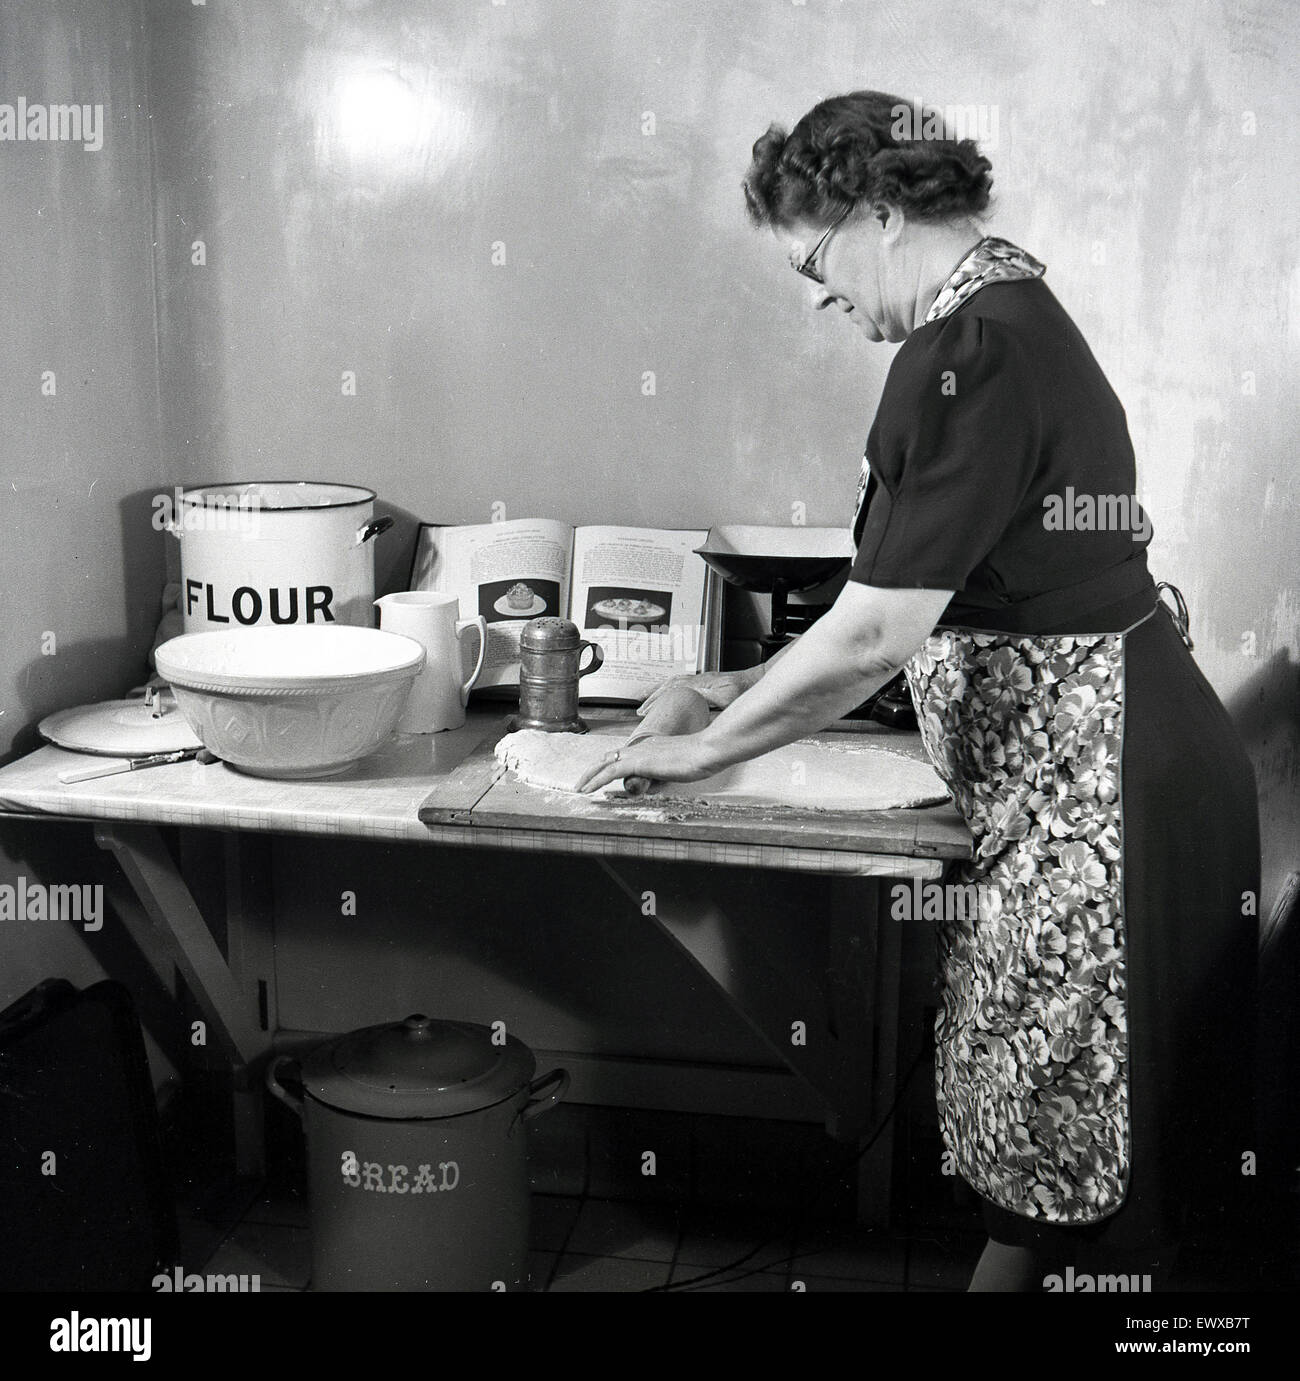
(642, 594)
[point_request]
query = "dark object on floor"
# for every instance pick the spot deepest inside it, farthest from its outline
(83, 1197)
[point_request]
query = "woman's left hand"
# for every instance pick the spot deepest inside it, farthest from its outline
(660, 758)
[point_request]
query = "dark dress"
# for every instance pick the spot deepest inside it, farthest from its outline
(1093, 1049)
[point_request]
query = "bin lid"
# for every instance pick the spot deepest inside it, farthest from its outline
(417, 1068)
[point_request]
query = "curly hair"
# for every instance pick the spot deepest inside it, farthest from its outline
(846, 151)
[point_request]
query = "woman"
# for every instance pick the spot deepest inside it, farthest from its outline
(1094, 1039)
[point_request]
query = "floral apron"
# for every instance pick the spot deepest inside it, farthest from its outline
(1031, 1039)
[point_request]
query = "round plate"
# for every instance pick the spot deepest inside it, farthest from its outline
(120, 729)
(642, 610)
(502, 606)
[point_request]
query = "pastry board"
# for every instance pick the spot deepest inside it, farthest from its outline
(501, 801)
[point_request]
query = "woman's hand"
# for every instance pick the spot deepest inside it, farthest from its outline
(719, 688)
(852, 650)
(661, 758)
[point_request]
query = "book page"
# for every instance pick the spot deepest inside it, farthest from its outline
(639, 594)
(509, 572)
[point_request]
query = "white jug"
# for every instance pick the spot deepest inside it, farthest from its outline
(437, 699)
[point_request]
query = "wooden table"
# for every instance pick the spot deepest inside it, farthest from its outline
(449, 789)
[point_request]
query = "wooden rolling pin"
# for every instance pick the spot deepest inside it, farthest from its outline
(677, 711)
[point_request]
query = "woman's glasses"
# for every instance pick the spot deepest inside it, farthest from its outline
(805, 265)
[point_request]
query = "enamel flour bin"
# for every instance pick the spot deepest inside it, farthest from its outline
(276, 552)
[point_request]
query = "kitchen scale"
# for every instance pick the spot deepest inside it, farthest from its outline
(779, 561)
(783, 561)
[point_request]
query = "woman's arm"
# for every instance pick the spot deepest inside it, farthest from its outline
(718, 688)
(851, 651)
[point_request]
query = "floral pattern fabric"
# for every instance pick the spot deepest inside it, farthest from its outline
(993, 260)
(1032, 1037)
(1031, 1063)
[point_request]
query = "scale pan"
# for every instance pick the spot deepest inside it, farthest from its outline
(764, 559)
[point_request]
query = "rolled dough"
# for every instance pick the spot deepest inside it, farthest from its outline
(806, 775)
(556, 761)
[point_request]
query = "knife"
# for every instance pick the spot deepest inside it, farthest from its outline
(115, 765)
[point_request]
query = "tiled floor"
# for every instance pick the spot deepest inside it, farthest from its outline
(583, 1244)
(587, 1244)
(589, 1234)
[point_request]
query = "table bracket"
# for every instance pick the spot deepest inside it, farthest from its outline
(177, 923)
(770, 1001)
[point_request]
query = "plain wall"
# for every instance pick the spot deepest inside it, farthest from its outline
(79, 562)
(80, 569)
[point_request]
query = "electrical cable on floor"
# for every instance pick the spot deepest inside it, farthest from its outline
(793, 1229)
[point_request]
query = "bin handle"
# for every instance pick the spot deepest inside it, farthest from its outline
(277, 1089)
(559, 1079)
(374, 527)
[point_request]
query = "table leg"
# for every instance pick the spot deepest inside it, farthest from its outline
(853, 980)
(853, 962)
(250, 949)
(178, 926)
(865, 985)
(850, 1053)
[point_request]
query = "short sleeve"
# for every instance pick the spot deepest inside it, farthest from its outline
(952, 453)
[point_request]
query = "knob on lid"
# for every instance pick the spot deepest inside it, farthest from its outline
(417, 1068)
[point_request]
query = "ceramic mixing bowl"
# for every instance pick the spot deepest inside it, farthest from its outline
(297, 701)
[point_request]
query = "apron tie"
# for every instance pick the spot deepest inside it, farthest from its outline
(1179, 613)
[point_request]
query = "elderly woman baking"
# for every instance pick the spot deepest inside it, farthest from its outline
(1093, 1045)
